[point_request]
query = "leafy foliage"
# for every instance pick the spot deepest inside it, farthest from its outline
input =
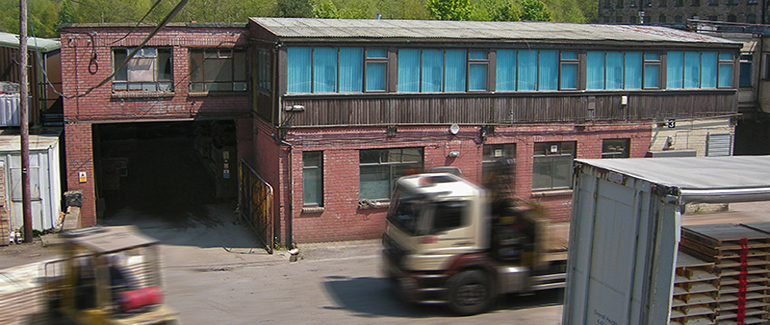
(295, 8)
(450, 9)
(534, 10)
(507, 10)
(46, 15)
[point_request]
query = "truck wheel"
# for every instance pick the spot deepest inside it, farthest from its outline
(469, 293)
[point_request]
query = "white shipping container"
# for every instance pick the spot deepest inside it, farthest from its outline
(44, 175)
(625, 229)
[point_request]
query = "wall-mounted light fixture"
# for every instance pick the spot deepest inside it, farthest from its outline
(623, 101)
(454, 128)
(453, 154)
(295, 108)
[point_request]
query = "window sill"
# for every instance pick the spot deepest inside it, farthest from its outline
(551, 193)
(373, 204)
(142, 94)
(216, 93)
(312, 209)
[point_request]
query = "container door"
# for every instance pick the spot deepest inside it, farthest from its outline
(38, 222)
(622, 248)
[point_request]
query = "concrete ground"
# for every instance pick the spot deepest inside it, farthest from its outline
(208, 247)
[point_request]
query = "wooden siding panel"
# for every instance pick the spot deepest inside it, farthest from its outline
(496, 109)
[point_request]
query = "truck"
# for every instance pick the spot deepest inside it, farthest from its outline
(107, 275)
(451, 242)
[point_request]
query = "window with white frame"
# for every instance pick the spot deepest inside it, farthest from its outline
(552, 165)
(149, 70)
(217, 70)
(312, 178)
(746, 69)
(380, 168)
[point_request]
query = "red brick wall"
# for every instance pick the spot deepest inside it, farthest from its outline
(79, 158)
(342, 219)
(86, 55)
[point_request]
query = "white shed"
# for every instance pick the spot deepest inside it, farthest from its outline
(45, 177)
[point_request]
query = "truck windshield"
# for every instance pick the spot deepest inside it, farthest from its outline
(416, 215)
(405, 210)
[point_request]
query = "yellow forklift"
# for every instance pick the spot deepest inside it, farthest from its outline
(109, 275)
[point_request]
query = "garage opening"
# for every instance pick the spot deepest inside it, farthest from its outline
(176, 181)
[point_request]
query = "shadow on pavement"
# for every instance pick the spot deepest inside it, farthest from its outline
(371, 297)
(218, 227)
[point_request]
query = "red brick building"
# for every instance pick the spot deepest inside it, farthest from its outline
(156, 85)
(336, 110)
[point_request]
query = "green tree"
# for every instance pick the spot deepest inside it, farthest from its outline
(450, 9)
(566, 11)
(325, 9)
(507, 10)
(357, 9)
(295, 8)
(534, 10)
(402, 9)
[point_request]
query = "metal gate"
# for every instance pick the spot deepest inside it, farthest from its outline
(255, 204)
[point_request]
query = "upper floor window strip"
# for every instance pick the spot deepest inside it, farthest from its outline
(693, 69)
(442, 70)
(615, 70)
(529, 70)
(353, 69)
(334, 70)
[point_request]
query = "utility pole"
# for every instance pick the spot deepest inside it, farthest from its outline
(24, 122)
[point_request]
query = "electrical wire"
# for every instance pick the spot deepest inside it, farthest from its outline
(138, 23)
(168, 18)
(133, 52)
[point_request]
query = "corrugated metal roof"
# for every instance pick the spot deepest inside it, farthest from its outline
(10, 140)
(33, 43)
(703, 179)
(477, 30)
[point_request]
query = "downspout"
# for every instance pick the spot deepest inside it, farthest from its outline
(277, 111)
(290, 214)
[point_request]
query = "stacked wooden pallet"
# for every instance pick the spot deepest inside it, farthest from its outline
(696, 289)
(741, 257)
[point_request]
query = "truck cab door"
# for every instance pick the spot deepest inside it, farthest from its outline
(449, 228)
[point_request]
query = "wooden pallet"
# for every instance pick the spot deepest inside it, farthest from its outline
(696, 289)
(741, 257)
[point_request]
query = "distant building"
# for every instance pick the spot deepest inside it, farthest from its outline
(753, 125)
(669, 12)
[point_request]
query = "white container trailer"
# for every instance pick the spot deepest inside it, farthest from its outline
(625, 229)
(44, 176)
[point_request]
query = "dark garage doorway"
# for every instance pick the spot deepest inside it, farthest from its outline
(170, 178)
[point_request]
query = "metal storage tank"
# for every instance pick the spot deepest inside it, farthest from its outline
(44, 174)
(626, 228)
